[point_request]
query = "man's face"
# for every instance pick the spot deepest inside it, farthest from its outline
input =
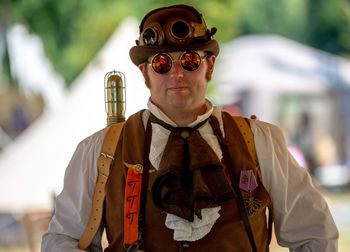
(179, 90)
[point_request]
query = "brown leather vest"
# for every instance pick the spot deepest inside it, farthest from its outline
(228, 233)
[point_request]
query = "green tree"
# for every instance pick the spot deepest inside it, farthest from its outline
(73, 31)
(329, 23)
(323, 24)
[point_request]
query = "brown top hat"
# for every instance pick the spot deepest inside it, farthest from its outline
(173, 28)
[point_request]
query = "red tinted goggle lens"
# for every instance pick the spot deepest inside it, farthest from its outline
(162, 62)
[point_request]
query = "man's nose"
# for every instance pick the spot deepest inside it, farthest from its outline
(177, 68)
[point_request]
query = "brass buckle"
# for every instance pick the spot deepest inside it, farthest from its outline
(107, 155)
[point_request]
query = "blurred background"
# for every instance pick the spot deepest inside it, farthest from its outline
(287, 62)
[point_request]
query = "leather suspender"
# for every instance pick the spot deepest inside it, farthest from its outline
(246, 132)
(104, 163)
(248, 136)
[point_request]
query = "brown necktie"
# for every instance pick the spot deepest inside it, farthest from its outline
(190, 175)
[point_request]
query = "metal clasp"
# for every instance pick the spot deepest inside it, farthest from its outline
(107, 155)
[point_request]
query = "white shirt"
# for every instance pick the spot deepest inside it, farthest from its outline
(302, 220)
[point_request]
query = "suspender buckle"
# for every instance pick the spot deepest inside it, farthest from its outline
(104, 164)
(106, 155)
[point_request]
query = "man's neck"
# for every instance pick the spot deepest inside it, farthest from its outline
(184, 118)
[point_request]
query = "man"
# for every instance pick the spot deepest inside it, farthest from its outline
(185, 175)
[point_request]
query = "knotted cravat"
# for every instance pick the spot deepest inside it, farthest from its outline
(190, 175)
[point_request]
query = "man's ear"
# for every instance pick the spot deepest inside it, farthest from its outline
(143, 69)
(211, 62)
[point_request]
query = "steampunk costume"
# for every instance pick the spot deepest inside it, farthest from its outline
(201, 189)
(73, 205)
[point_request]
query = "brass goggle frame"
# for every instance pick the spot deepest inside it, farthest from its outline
(176, 31)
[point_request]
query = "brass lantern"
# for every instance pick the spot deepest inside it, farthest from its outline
(115, 103)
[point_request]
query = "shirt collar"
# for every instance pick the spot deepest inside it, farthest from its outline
(156, 111)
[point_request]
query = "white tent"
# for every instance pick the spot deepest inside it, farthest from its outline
(268, 65)
(31, 67)
(32, 167)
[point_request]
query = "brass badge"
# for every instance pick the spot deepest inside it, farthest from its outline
(248, 183)
(252, 204)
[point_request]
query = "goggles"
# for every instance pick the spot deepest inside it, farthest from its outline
(174, 32)
(163, 62)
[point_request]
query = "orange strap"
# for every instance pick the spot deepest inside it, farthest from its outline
(104, 163)
(132, 201)
(248, 136)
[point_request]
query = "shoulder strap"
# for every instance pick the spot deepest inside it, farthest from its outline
(245, 131)
(248, 136)
(104, 163)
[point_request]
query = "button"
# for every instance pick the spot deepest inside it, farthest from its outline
(185, 134)
(253, 117)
